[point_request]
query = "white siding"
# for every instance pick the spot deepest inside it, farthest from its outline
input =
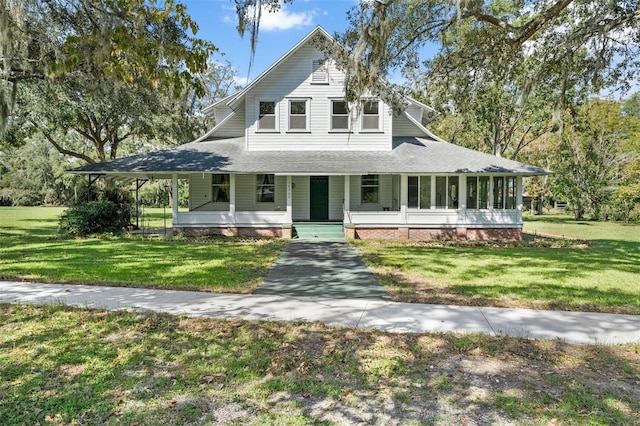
(292, 79)
(336, 196)
(386, 197)
(281, 193)
(246, 194)
(300, 199)
(200, 194)
(235, 126)
(402, 126)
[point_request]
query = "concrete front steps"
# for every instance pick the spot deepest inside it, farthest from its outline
(318, 230)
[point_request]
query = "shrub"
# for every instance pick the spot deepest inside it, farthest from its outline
(96, 217)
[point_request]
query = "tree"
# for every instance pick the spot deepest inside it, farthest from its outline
(128, 40)
(590, 156)
(389, 34)
(89, 117)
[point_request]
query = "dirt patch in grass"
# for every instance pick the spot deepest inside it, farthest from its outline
(64, 366)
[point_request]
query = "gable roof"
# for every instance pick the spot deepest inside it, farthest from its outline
(234, 100)
(410, 155)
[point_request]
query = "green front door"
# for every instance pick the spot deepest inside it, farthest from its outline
(319, 197)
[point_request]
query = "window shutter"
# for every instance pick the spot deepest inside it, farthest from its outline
(319, 71)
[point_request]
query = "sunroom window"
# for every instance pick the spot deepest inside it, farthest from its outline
(265, 188)
(477, 192)
(498, 192)
(419, 192)
(266, 115)
(510, 195)
(370, 189)
(447, 189)
(220, 189)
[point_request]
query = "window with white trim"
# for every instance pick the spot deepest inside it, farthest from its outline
(220, 188)
(339, 115)
(477, 192)
(370, 189)
(498, 192)
(510, 195)
(419, 192)
(370, 115)
(265, 188)
(298, 115)
(319, 71)
(267, 115)
(447, 189)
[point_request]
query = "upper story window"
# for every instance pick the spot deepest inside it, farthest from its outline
(220, 188)
(370, 115)
(339, 115)
(298, 115)
(370, 189)
(266, 115)
(265, 188)
(319, 71)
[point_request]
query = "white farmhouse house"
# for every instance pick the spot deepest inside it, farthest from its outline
(287, 152)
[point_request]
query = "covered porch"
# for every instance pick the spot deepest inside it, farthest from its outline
(368, 206)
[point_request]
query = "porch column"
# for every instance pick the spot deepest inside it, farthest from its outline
(232, 197)
(490, 193)
(347, 199)
(404, 197)
(174, 199)
(462, 192)
(519, 190)
(289, 216)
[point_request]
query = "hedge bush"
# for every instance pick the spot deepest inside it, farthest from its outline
(95, 217)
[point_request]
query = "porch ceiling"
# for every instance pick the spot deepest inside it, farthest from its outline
(409, 155)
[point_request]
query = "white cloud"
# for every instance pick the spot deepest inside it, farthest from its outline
(241, 81)
(284, 19)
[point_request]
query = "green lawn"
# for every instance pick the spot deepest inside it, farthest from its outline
(30, 251)
(65, 366)
(602, 274)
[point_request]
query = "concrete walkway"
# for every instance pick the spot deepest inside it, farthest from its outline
(573, 327)
(328, 269)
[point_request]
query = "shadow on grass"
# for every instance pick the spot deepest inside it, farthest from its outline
(566, 278)
(211, 266)
(64, 365)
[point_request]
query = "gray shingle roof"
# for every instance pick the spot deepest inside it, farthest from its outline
(409, 155)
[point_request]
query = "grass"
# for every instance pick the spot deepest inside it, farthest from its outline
(62, 365)
(30, 251)
(599, 272)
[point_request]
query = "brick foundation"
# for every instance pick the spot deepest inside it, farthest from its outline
(427, 234)
(275, 232)
(403, 233)
(511, 234)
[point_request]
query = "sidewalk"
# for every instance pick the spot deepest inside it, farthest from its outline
(572, 327)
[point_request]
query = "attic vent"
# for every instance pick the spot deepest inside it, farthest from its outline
(319, 71)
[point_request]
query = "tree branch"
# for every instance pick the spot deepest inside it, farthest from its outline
(59, 148)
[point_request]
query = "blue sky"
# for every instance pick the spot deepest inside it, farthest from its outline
(279, 32)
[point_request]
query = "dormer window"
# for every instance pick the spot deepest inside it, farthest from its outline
(319, 71)
(370, 115)
(266, 115)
